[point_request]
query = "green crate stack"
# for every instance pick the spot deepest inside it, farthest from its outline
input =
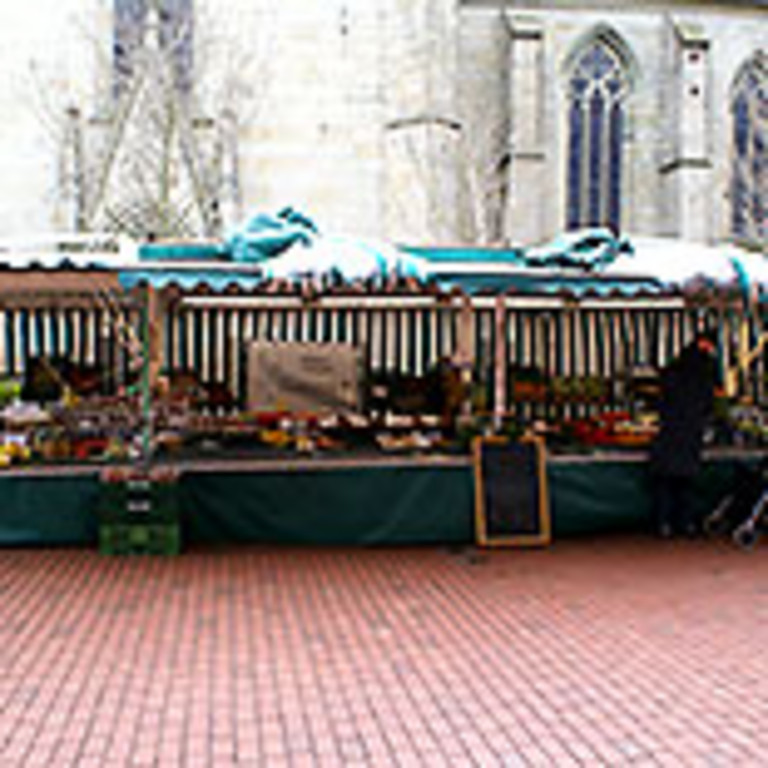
(139, 516)
(139, 539)
(139, 500)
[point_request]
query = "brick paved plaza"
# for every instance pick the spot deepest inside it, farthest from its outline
(618, 651)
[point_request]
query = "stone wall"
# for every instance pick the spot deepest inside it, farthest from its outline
(311, 120)
(677, 151)
(438, 121)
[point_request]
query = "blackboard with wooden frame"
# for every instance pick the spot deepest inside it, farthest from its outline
(511, 494)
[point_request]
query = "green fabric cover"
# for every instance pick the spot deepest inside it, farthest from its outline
(366, 505)
(608, 496)
(48, 510)
(374, 505)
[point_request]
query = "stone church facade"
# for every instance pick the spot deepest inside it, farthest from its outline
(626, 114)
(420, 121)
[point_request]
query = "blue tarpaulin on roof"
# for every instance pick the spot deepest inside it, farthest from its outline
(572, 262)
(265, 236)
(511, 256)
(181, 251)
(582, 250)
(288, 245)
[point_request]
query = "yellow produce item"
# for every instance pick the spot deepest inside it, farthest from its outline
(275, 437)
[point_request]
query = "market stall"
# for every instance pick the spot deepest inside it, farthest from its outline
(229, 351)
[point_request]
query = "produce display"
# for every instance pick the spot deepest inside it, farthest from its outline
(616, 429)
(56, 417)
(748, 425)
(530, 384)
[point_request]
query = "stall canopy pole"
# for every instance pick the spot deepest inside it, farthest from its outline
(465, 352)
(746, 356)
(146, 364)
(156, 330)
(500, 362)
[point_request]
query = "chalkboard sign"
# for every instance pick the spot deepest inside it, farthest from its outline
(511, 500)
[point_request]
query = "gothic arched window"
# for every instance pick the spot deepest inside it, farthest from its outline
(596, 117)
(749, 173)
(175, 19)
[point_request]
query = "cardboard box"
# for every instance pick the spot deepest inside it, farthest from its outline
(304, 377)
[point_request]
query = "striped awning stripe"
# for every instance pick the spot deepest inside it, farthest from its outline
(602, 338)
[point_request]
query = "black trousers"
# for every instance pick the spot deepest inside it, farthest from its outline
(673, 504)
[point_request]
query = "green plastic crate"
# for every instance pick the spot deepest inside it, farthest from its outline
(139, 539)
(138, 501)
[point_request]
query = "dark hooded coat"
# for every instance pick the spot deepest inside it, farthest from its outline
(687, 399)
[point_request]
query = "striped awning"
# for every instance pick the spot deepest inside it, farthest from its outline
(549, 282)
(189, 280)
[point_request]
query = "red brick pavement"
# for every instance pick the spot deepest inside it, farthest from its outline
(611, 652)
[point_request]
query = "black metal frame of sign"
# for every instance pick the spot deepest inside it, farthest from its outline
(511, 494)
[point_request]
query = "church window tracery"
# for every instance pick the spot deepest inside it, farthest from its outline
(596, 118)
(749, 174)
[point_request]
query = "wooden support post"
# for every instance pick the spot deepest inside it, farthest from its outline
(155, 317)
(152, 340)
(106, 353)
(465, 351)
(746, 355)
(500, 362)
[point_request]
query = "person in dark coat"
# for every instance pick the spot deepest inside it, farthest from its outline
(686, 404)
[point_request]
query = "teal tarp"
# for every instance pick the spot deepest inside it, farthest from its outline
(389, 505)
(265, 236)
(48, 510)
(182, 251)
(509, 256)
(609, 496)
(583, 250)
(365, 505)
